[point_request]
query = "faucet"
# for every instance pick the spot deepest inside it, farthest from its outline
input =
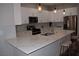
(52, 27)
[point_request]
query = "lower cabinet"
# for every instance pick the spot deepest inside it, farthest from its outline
(52, 49)
(18, 52)
(49, 50)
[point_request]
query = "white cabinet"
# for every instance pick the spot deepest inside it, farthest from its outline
(40, 16)
(52, 17)
(26, 12)
(21, 14)
(43, 16)
(52, 49)
(71, 11)
(58, 17)
(17, 14)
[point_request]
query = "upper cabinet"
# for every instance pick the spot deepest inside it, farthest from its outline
(43, 16)
(58, 16)
(71, 11)
(17, 14)
(21, 14)
(26, 12)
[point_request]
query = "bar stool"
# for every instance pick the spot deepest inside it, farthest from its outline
(65, 44)
(74, 38)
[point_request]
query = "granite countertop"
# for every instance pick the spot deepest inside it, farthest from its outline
(28, 43)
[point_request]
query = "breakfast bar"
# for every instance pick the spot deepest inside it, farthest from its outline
(39, 45)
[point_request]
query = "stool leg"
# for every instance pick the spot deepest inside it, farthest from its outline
(63, 49)
(60, 50)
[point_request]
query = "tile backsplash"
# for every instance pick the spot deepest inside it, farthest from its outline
(23, 27)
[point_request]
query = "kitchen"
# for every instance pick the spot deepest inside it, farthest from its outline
(48, 26)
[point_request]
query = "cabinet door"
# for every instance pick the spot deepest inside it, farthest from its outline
(52, 17)
(17, 52)
(56, 17)
(17, 14)
(49, 50)
(40, 16)
(60, 16)
(43, 16)
(26, 12)
(46, 16)
(71, 11)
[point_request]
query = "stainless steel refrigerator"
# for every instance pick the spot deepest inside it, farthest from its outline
(70, 23)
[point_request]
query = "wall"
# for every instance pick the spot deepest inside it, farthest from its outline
(7, 27)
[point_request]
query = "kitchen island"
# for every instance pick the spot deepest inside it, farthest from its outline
(39, 45)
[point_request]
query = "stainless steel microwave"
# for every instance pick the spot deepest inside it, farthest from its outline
(33, 19)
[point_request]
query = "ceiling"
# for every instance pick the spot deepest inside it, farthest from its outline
(51, 6)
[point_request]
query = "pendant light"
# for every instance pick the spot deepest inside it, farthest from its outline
(39, 7)
(55, 10)
(64, 12)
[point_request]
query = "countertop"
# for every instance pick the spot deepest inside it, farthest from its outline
(28, 43)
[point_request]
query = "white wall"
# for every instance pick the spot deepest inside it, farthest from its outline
(7, 27)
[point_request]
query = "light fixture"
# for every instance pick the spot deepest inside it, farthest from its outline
(39, 7)
(55, 10)
(64, 12)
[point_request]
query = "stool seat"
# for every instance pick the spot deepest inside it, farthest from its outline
(75, 37)
(66, 43)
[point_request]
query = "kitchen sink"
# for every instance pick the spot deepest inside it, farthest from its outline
(47, 34)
